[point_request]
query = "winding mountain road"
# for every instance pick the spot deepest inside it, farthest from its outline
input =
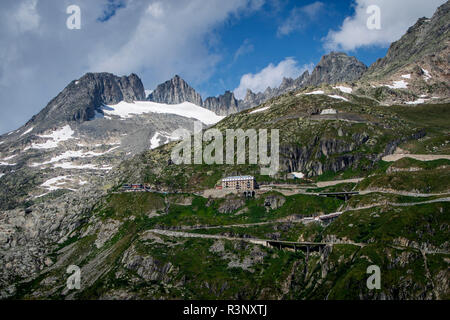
(421, 157)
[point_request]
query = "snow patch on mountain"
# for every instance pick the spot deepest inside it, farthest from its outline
(9, 158)
(344, 89)
(126, 110)
(157, 139)
(57, 136)
(28, 131)
(6, 164)
(70, 165)
(338, 97)
(73, 154)
(260, 110)
(418, 101)
(54, 183)
(3, 163)
(148, 92)
(427, 76)
(315, 92)
(401, 84)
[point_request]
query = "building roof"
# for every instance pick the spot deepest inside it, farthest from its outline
(329, 111)
(238, 178)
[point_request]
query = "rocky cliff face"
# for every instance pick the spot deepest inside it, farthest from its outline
(79, 100)
(336, 67)
(222, 105)
(175, 91)
(415, 69)
(426, 43)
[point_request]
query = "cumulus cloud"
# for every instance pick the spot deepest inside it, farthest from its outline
(396, 17)
(299, 17)
(270, 76)
(170, 38)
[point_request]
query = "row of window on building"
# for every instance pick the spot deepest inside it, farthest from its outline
(241, 183)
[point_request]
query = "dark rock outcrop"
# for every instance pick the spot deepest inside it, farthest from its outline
(274, 202)
(222, 105)
(230, 205)
(336, 67)
(175, 91)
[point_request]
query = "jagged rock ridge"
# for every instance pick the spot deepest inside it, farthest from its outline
(332, 68)
(222, 105)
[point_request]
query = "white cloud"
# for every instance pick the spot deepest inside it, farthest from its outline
(270, 76)
(155, 10)
(298, 18)
(172, 38)
(155, 39)
(245, 48)
(396, 17)
(26, 18)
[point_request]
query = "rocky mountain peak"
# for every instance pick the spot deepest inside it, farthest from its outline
(336, 67)
(287, 82)
(222, 105)
(175, 91)
(79, 100)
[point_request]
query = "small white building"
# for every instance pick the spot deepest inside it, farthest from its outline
(328, 111)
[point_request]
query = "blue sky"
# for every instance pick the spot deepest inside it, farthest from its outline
(215, 45)
(259, 33)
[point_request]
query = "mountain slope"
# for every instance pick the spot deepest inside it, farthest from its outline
(129, 245)
(122, 256)
(426, 43)
(92, 125)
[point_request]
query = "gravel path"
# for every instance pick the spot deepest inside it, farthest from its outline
(323, 184)
(421, 157)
